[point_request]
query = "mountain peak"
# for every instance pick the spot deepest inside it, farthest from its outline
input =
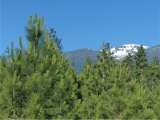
(123, 50)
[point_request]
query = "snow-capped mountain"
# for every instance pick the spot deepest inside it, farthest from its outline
(122, 51)
(79, 56)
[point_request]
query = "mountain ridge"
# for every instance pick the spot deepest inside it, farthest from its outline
(79, 56)
(122, 51)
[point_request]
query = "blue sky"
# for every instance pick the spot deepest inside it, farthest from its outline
(84, 23)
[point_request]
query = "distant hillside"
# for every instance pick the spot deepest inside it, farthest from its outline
(152, 52)
(79, 56)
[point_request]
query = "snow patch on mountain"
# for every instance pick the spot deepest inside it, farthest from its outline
(122, 51)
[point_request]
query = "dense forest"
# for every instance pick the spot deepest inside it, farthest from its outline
(39, 83)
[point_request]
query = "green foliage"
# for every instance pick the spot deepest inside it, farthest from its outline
(37, 83)
(140, 58)
(55, 39)
(140, 61)
(40, 83)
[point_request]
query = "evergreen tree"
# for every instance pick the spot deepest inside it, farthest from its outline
(34, 33)
(140, 102)
(35, 30)
(153, 74)
(129, 63)
(156, 60)
(84, 80)
(59, 99)
(140, 61)
(56, 39)
(11, 85)
(37, 83)
(104, 67)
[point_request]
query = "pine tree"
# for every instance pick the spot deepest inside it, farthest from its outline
(104, 67)
(37, 83)
(11, 85)
(35, 30)
(56, 39)
(153, 74)
(34, 34)
(129, 63)
(60, 94)
(140, 103)
(85, 80)
(156, 60)
(140, 61)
